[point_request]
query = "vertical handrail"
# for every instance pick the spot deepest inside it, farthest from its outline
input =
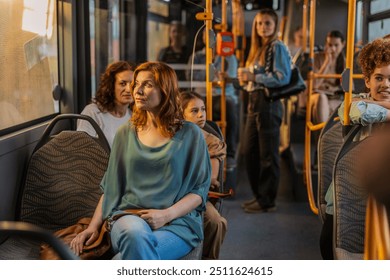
(304, 25)
(282, 28)
(209, 55)
(349, 59)
(307, 161)
(223, 80)
(207, 16)
(348, 95)
(238, 29)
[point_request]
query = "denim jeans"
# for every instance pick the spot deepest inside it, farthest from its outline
(133, 239)
(261, 147)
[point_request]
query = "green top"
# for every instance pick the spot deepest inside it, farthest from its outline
(139, 176)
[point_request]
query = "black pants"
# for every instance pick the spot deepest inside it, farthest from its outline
(261, 147)
(326, 238)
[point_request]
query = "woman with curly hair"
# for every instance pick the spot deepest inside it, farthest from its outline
(372, 107)
(366, 109)
(159, 166)
(111, 106)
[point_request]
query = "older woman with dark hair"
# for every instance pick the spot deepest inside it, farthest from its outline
(111, 106)
(159, 164)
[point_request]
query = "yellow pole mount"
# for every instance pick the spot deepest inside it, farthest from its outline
(207, 16)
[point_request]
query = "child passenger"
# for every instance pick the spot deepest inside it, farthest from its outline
(215, 225)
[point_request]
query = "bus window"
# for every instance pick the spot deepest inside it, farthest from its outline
(377, 6)
(158, 29)
(378, 20)
(378, 28)
(28, 60)
(105, 27)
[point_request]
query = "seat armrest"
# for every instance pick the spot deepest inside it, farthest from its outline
(31, 231)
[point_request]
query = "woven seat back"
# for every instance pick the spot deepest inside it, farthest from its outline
(329, 145)
(62, 181)
(350, 198)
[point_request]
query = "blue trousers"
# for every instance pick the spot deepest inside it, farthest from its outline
(133, 239)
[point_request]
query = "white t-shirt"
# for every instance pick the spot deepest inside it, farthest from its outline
(107, 122)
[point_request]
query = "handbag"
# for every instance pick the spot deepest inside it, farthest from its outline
(95, 251)
(99, 249)
(295, 86)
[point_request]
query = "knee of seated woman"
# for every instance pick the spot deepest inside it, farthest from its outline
(131, 225)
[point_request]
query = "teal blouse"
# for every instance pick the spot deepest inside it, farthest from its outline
(139, 176)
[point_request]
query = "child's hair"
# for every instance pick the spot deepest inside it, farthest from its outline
(373, 55)
(187, 96)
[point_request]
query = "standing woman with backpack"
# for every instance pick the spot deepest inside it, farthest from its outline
(268, 65)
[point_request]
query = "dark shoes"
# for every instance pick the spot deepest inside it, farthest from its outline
(248, 202)
(255, 207)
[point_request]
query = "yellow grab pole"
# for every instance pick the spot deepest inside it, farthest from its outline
(282, 28)
(207, 16)
(238, 29)
(304, 25)
(307, 162)
(222, 70)
(349, 59)
(209, 57)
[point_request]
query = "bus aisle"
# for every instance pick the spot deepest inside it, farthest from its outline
(290, 233)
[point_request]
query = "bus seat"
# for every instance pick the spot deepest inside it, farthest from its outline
(61, 183)
(35, 235)
(329, 144)
(195, 254)
(213, 128)
(349, 200)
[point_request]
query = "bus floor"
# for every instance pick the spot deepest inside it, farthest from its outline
(290, 233)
